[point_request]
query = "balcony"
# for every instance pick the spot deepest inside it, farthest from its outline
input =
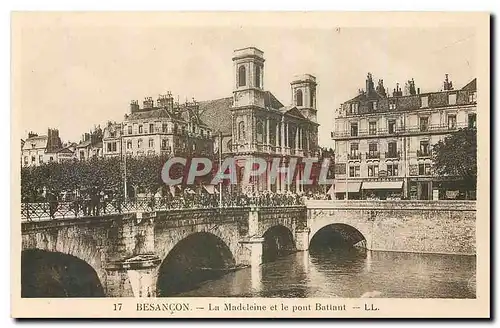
(373, 155)
(424, 129)
(423, 154)
(393, 155)
(354, 156)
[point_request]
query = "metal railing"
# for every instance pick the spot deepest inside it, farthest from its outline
(428, 128)
(82, 208)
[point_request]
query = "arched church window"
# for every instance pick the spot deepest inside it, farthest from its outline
(260, 132)
(241, 130)
(298, 98)
(242, 76)
(257, 76)
(229, 145)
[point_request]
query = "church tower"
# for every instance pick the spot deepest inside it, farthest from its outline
(304, 95)
(249, 77)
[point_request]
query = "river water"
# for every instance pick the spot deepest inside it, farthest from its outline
(349, 274)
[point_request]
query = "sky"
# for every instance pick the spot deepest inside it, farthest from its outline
(75, 76)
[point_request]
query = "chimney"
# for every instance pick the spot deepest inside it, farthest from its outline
(412, 87)
(369, 84)
(397, 92)
(418, 90)
(380, 88)
(147, 103)
(134, 106)
(447, 85)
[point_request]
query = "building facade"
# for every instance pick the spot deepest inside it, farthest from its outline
(261, 126)
(39, 149)
(164, 128)
(383, 143)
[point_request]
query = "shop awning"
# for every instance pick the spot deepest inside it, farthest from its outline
(382, 185)
(352, 186)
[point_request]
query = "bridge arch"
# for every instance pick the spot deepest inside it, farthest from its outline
(198, 257)
(278, 241)
(55, 274)
(337, 235)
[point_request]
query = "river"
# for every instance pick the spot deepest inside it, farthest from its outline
(349, 274)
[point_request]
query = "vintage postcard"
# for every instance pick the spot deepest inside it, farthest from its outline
(244, 164)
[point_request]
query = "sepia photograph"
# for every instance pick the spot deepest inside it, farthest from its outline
(314, 163)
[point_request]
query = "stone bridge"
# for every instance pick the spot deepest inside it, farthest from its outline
(154, 254)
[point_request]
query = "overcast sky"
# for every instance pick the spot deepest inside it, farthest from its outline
(73, 77)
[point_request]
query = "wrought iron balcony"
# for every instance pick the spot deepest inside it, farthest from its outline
(392, 154)
(423, 154)
(354, 156)
(373, 155)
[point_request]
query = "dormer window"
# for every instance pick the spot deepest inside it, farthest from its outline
(472, 97)
(452, 99)
(425, 101)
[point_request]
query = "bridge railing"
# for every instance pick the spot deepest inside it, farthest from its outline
(87, 208)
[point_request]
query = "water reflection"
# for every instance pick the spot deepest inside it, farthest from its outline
(349, 274)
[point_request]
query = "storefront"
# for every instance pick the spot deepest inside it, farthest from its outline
(352, 187)
(382, 190)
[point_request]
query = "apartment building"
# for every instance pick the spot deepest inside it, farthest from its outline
(384, 142)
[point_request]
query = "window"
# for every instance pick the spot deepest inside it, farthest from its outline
(392, 126)
(130, 129)
(452, 122)
(82, 155)
(164, 144)
(424, 148)
(372, 128)
(26, 160)
(183, 129)
(392, 104)
(452, 99)
(472, 97)
(129, 144)
(151, 128)
(372, 106)
(392, 170)
(472, 120)
(151, 143)
(140, 128)
(354, 108)
(242, 76)
(260, 132)
(139, 143)
(425, 101)
(424, 123)
(354, 171)
(193, 128)
(112, 134)
(354, 129)
(40, 158)
(33, 159)
(257, 76)
(372, 150)
(108, 146)
(241, 130)
(51, 158)
(354, 149)
(299, 98)
(164, 127)
(372, 170)
(424, 169)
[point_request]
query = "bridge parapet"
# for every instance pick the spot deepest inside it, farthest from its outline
(446, 227)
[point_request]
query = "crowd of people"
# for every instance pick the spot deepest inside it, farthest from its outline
(94, 203)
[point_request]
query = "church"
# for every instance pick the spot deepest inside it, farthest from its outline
(254, 123)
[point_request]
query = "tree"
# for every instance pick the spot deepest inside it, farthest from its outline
(456, 155)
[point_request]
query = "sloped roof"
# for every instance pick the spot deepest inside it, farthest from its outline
(471, 86)
(151, 113)
(217, 114)
(38, 141)
(271, 101)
